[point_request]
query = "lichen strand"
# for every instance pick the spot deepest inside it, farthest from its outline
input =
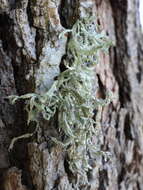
(71, 95)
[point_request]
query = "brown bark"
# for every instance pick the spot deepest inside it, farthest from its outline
(31, 57)
(12, 180)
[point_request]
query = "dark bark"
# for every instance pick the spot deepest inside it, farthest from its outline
(31, 57)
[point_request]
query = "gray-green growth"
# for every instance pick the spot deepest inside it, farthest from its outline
(72, 95)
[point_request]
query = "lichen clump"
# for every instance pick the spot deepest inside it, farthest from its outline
(71, 95)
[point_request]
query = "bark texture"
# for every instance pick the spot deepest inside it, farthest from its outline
(31, 56)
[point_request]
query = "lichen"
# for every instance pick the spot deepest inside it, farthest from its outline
(72, 97)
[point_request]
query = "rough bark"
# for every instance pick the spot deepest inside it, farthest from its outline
(31, 55)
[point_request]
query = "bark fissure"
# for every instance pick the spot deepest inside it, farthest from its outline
(69, 12)
(29, 33)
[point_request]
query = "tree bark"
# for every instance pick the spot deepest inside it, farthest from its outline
(31, 56)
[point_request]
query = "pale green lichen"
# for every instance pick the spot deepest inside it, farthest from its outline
(71, 95)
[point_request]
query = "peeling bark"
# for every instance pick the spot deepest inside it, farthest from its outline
(12, 180)
(31, 56)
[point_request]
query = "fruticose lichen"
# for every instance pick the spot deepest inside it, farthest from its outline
(71, 96)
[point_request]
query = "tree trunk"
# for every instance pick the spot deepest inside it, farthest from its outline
(31, 56)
